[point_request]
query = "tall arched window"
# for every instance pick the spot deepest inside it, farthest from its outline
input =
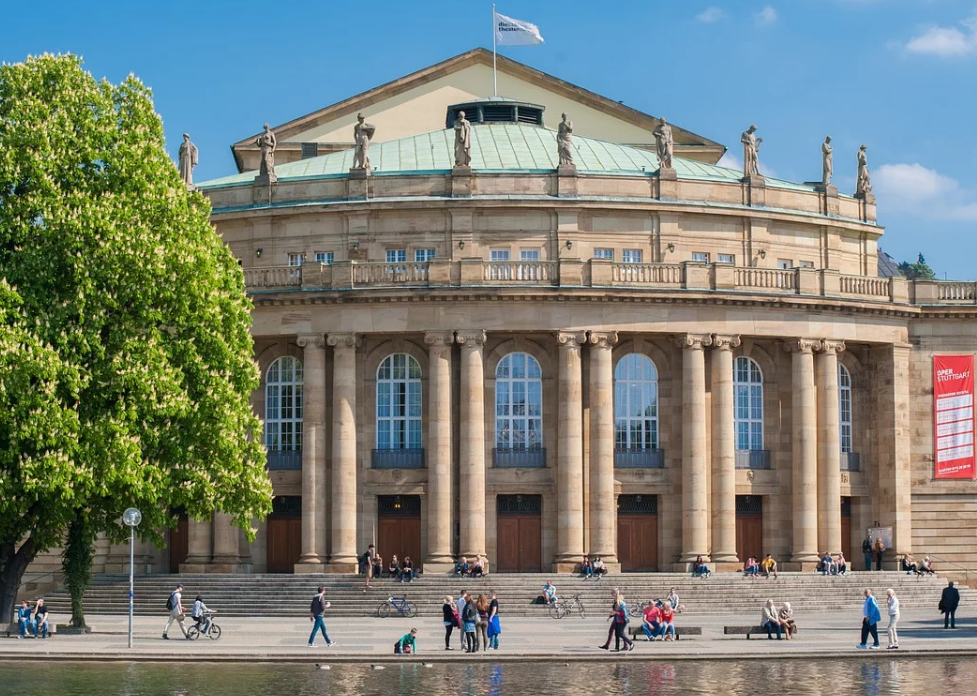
(518, 403)
(283, 405)
(635, 404)
(845, 410)
(399, 403)
(748, 406)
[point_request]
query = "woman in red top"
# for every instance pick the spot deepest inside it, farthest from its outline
(667, 619)
(652, 622)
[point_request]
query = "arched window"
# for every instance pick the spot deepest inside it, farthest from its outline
(748, 404)
(399, 403)
(845, 410)
(518, 403)
(635, 404)
(283, 405)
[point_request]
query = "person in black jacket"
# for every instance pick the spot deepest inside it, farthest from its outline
(451, 620)
(949, 601)
(316, 610)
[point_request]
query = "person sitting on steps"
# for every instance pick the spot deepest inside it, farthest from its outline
(461, 567)
(751, 568)
(909, 564)
(600, 570)
(587, 568)
(700, 569)
(769, 566)
(925, 566)
(407, 570)
(478, 567)
(393, 569)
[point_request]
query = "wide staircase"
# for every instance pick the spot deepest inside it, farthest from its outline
(289, 595)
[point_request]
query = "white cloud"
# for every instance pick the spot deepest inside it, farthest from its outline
(710, 15)
(732, 161)
(946, 42)
(766, 16)
(923, 192)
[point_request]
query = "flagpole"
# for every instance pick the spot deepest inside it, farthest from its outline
(495, 74)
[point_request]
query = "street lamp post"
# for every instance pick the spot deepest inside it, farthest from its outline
(132, 517)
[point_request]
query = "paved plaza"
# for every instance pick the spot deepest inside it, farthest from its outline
(827, 634)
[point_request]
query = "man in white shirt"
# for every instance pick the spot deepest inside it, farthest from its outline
(175, 604)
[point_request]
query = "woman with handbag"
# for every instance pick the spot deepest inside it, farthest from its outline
(451, 621)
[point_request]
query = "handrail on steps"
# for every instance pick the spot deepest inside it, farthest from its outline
(966, 571)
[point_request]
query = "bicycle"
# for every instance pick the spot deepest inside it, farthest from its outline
(637, 611)
(213, 632)
(403, 607)
(563, 607)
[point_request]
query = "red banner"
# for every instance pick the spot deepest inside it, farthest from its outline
(953, 416)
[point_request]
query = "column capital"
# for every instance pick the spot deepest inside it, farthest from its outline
(344, 340)
(602, 339)
(802, 345)
(725, 342)
(692, 341)
(570, 339)
(830, 346)
(474, 338)
(315, 340)
(439, 339)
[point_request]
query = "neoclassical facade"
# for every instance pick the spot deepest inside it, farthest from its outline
(535, 362)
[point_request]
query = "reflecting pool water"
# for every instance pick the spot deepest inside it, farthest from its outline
(853, 677)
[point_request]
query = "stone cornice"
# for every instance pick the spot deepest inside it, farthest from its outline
(570, 339)
(724, 342)
(607, 339)
(692, 341)
(344, 340)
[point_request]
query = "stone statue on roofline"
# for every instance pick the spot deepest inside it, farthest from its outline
(188, 160)
(751, 148)
(564, 142)
(863, 184)
(664, 143)
(362, 134)
(827, 161)
(463, 141)
(267, 143)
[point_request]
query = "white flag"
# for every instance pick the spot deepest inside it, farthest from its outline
(515, 32)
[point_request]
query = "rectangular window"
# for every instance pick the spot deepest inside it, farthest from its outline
(499, 255)
(396, 255)
(529, 254)
(631, 256)
(785, 264)
(310, 150)
(726, 258)
(325, 257)
(295, 259)
(700, 257)
(423, 255)
(604, 254)
(807, 264)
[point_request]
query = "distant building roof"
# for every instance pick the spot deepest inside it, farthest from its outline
(888, 266)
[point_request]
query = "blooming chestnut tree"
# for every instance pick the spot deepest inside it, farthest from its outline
(126, 363)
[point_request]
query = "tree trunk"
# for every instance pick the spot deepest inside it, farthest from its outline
(13, 565)
(79, 552)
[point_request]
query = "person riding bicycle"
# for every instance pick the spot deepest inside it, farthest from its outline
(201, 615)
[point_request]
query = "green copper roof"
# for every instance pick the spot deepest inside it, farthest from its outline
(496, 147)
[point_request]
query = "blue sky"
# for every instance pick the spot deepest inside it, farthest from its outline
(897, 75)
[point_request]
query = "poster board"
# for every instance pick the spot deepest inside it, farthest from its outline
(953, 416)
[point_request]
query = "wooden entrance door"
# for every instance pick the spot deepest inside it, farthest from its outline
(637, 532)
(179, 546)
(749, 526)
(399, 528)
(284, 534)
(519, 533)
(845, 529)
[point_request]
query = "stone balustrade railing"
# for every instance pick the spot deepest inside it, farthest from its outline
(599, 273)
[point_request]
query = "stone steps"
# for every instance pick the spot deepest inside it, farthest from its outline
(277, 595)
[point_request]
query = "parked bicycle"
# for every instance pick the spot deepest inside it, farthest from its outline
(400, 604)
(213, 632)
(563, 607)
(637, 611)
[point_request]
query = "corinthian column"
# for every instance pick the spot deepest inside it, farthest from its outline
(472, 446)
(569, 475)
(313, 452)
(343, 558)
(695, 467)
(805, 451)
(439, 452)
(603, 515)
(829, 448)
(723, 452)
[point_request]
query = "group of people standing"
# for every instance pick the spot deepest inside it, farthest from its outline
(32, 619)
(477, 618)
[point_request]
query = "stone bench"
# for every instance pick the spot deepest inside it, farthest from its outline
(745, 630)
(636, 632)
(13, 630)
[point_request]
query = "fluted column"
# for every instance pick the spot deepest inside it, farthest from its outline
(603, 514)
(829, 448)
(227, 545)
(569, 475)
(313, 451)
(439, 452)
(695, 467)
(723, 451)
(471, 472)
(343, 559)
(805, 451)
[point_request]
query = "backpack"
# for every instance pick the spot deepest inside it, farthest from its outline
(170, 604)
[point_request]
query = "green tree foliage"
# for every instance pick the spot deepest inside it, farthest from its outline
(126, 363)
(920, 269)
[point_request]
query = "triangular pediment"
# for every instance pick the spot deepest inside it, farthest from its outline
(417, 103)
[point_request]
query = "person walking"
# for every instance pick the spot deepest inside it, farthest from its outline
(893, 619)
(494, 625)
(451, 620)
(879, 550)
(316, 611)
(769, 620)
(949, 601)
(867, 551)
(870, 622)
(175, 605)
(621, 625)
(610, 617)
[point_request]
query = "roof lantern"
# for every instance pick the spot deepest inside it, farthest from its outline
(496, 110)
